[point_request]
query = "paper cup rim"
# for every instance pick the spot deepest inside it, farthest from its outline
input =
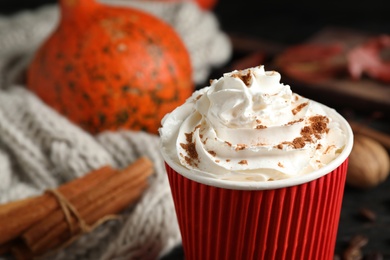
(277, 184)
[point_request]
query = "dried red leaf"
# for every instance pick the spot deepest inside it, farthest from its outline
(366, 59)
(312, 63)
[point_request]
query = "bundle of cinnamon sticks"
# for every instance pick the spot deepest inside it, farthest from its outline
(34, 226)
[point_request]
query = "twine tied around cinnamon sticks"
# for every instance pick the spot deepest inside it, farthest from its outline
(37, 225)
(68, 209)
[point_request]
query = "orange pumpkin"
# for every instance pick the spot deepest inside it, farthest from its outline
(107, 68)
(206, 4)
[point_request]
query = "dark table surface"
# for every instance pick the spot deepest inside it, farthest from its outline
(292, 22)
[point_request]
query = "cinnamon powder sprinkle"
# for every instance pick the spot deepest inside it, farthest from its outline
(246, 78)
(319, 124)
(280, 165)
(227, 160)
(279, 146)
(228, 143)
(199, 96)
(189, 137)
(212, 153)
(298, 143)
(261, 127)
(240, 147)
(294, 122)
(299, 108)
(306, 133)
(243, 162)
(188, 160)
(190, 149)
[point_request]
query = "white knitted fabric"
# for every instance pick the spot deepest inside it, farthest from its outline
(40, 149)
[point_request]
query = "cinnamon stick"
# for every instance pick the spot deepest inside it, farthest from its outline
(21, 252)
(113, 204)
(34, 233)
(6, 247)
(7, 208)
(15, 219)
(108, 198)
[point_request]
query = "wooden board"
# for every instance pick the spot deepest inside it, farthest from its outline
(365, 93)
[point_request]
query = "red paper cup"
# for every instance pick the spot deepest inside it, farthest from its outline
(295, 218)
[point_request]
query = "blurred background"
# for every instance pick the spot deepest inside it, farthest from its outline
(280, 20)
(275, 19)
(261, 32)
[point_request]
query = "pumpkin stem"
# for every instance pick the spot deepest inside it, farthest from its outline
(70, 8)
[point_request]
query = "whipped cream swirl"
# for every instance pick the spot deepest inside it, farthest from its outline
(247, 126)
